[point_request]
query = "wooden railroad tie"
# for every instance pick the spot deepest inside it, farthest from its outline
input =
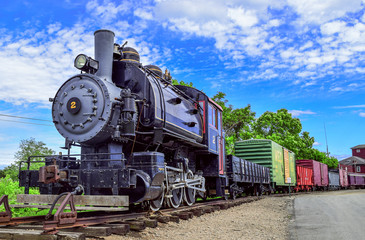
(151, 223)
(162, 218)
(10, 233)
(197, 212)
(136, 225)
(119, 228)
(182, 215)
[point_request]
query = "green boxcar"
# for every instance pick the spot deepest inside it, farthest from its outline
(280, 160)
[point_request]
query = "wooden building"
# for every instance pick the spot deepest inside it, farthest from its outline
(355, 163)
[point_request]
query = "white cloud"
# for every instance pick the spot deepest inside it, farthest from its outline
(265, 75)
(342, 156)
(337, 89)
(350, 87)
(274, 23)
(333, 27)
(244, 31)
(40, 64)
(241, 17)
(143, 13)
(248, 30)
(362, 114)
(296, 113)
(351, 106)
(307, 45)
(41, 60)
(190, 9)
(328, 41)
(107, 11)
(316, 144)
(305, 74)
(317, 12)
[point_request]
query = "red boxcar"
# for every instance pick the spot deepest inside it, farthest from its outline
(344, 183)
(320, 172)
(304, 179)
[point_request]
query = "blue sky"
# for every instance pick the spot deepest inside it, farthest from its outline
(305, 56)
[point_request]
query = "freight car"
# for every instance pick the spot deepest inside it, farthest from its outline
(334, 180)
(356, 180)
(140, 137)
(247, 177)
(278, 159)
(320, 173)
(338, 179)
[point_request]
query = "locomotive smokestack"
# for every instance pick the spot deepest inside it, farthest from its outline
(104, 45)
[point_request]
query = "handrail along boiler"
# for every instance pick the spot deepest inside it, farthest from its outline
(139, 135)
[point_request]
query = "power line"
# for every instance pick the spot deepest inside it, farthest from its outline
(49, 125)
(36, 119)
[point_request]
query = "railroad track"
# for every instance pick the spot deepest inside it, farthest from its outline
(99, 224)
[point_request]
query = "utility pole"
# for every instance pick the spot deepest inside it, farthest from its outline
(325, 134)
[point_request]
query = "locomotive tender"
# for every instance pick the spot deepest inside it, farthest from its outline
(139, 135)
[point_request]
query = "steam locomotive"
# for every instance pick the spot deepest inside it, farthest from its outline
(139, 135)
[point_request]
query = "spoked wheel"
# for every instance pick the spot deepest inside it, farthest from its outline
(156, 204)
(189, 194)
(176, 198)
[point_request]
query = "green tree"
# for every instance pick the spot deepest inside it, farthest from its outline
(28, 147)
(237, 123)
(282, 128)
(280, 123)
(2, 174)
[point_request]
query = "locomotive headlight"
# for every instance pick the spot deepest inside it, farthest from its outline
(80, 61)
(86, 64)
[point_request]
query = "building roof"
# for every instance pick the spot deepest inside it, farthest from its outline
(352, 161)
(359, 146)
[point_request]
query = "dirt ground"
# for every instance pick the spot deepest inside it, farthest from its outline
(267, 218)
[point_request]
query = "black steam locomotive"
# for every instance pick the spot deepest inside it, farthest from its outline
(139, 135)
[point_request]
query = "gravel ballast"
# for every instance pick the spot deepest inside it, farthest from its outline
(267, 218)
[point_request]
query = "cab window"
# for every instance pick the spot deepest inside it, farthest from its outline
(212, 112)
(215, 117)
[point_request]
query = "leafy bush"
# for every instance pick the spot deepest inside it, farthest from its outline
(12, 189)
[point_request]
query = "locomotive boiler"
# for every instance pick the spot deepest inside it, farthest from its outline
(139, 135)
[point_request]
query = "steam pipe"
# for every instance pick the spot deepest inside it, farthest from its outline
(104, 45)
